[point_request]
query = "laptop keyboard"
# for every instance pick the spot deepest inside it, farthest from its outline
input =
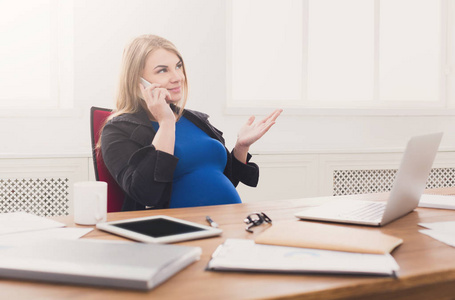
(368, 212)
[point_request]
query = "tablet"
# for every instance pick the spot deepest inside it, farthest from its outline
(159, 229)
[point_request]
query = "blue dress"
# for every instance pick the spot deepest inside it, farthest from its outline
(198, 177)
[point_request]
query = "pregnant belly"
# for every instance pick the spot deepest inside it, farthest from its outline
(201, 188)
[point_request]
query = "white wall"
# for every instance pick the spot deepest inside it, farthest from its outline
(101, 30)
(198, 28)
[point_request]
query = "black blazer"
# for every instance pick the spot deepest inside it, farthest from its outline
(144, 173)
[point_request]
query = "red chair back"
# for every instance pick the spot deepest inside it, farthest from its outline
(115, 194)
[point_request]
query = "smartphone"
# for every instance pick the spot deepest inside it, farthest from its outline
(145, 83)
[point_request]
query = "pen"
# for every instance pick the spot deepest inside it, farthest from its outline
(211, 222)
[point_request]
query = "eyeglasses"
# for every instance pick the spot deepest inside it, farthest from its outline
(256, 219)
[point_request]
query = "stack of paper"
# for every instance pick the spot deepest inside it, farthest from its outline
(21, 226)
(245, 255)
(309, 247)
(441, 231)
(437, 201)
(21, 221)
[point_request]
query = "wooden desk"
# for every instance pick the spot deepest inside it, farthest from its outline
(427, 266)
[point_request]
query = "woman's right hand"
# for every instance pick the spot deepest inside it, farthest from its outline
(155, 97)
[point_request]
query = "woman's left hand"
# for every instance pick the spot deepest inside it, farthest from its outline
(251, 132)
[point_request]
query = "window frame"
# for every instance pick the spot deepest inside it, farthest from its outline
(444, 106)
(61, 98)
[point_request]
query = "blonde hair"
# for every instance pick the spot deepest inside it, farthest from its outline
(128, 98)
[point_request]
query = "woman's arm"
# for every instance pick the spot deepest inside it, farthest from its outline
(144, 173)
(251, 132)
(155, 99)
(245, 172)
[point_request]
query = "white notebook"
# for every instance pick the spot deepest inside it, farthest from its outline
(116, 264)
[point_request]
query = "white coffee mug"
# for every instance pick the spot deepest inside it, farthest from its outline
(90, 202)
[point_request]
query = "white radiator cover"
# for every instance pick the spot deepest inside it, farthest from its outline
(350, 182)
(42, 186)
(40, 196)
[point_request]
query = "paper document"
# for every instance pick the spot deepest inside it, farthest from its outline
(437, 201)
(440, 226)
(245, 255)
(445, 237)
(21, 221)
(441, 231)
(54, 233)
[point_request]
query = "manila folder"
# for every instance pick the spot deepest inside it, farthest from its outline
(328, 237)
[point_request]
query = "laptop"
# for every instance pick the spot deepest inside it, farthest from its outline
(404, 197)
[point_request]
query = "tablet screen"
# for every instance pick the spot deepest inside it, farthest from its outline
(158, 227)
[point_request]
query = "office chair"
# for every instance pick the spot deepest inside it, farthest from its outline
(115, 194)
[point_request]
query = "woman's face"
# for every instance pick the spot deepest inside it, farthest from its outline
(165, 68)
